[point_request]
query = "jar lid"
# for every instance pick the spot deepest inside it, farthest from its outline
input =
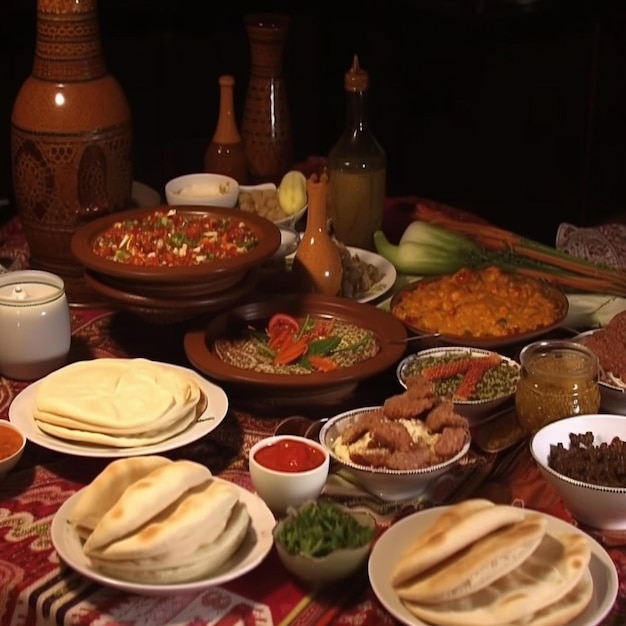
(558, 358)
(356, 79)
(30, 287)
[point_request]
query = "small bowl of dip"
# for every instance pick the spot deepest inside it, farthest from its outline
(288, 470)
(12, 443)
(202, 189)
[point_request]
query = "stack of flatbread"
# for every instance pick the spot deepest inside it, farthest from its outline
(117, 402)
(151, 520)
(482, 564)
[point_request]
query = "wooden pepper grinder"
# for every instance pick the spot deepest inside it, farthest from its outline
(225, 153)
(317, 264)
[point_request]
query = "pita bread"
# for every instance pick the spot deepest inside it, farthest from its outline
(119, 441)
(546, 576)
(563, 611)
(198, 516)
(456, 528)
(107, 487)
(144, 499)
(204, 561)
(124, 397)
(478, 565)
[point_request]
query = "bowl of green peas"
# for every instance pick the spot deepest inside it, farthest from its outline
(321, 542)
(480, 382)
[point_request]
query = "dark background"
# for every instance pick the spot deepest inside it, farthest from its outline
(513, 109)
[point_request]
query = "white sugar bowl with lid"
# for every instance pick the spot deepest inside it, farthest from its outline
(35, 327)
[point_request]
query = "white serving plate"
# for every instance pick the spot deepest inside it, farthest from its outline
(254, 549)
(396, 540)
(21, 414)
(387, 269)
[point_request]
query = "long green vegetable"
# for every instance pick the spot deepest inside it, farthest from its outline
(444, 245)
(513, 252)
(429, 250)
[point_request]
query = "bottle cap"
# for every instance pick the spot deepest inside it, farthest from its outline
(356, 79)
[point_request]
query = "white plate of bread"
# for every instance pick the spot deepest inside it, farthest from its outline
(113, 407)
(477, 563)
(150, 525)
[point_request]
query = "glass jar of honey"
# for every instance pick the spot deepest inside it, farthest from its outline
(558, 379)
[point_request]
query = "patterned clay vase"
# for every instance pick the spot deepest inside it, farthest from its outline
(266, 126)
(71, 139)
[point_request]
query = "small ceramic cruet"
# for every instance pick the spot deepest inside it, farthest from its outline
(317, 264)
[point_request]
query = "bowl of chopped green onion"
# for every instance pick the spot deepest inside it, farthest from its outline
(479, 381)
(321, 542)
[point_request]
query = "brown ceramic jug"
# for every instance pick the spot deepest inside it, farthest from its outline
(266, 127)
(225, 153)
(71, 139)
(317, 264)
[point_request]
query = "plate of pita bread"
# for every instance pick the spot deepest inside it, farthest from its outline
(477, 563)
(153, 526)
(113, 407)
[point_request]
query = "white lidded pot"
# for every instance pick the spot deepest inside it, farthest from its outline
(35, 327)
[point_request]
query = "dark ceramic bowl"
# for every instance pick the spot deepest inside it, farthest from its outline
(612, 389)
(485, 342)
(214, 276)
(295, 388)
(169, 308)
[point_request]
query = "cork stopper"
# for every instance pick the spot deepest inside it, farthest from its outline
(356, 79)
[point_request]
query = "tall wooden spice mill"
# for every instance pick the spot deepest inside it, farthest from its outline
(317, 265)
(225, 153)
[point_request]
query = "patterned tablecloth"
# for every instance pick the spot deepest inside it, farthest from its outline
(36, 588)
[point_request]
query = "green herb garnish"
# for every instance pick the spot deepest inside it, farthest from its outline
(323, 346)
(320, 528)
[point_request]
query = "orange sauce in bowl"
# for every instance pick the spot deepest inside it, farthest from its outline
(10, 442)
(290, 455)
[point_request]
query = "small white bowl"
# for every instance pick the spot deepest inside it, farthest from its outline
(289, 221)
(289, 241)
(10, 432)
(476, 411)
(595, 505)
(202, 189)
(386, 484)
(338, 564)
(283, 489)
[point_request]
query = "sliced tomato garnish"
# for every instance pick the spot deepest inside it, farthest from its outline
(291, 352)
(282, 320)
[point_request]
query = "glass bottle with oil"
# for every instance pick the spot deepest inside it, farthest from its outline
(357, 166)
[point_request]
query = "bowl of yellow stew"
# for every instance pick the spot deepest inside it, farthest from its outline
(483, 308)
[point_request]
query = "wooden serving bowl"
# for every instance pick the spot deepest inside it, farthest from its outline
(487, 342)
(264, 388)
(201, 279)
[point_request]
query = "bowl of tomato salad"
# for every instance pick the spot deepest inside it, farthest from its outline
(175, 250)
(297, 349)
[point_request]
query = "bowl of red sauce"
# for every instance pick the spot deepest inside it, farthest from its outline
(288, 470)
(12, 443)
